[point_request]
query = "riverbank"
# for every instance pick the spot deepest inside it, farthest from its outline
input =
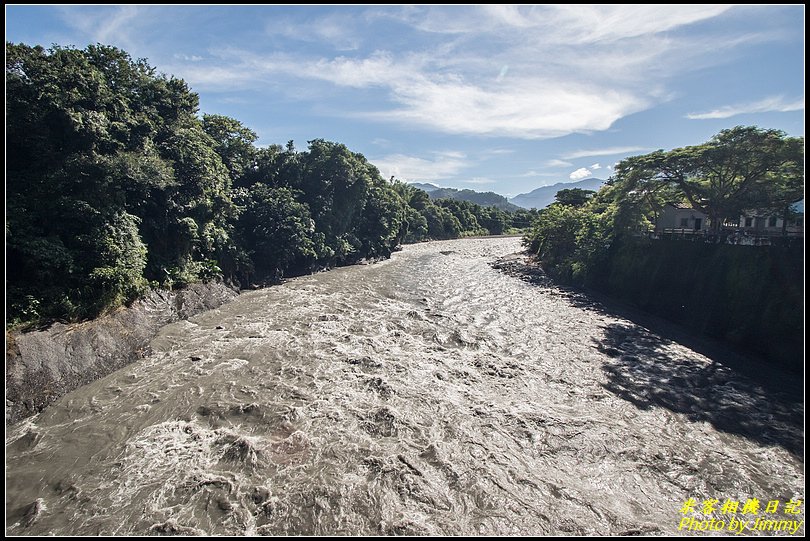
(777, 378)
(42, 366)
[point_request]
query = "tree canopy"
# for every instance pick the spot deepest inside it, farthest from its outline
(739, 170)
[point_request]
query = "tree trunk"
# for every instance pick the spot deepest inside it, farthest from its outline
(717, 223)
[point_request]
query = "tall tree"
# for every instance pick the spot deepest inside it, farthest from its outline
(233, 142)
(574, 197)
(738, 169)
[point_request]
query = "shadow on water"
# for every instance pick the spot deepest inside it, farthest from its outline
(725, 392)
(737, 393)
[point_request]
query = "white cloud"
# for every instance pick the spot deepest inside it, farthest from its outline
(767, 105)
(107, 25)
(479, 180)
(583, 23)
(596, 166)
(533, 173)
(601, 152)
(499, 151)
(188, 58)
(529, 108)
(415, 169)
(558, 163)
(605, 23)
(451, 154)
(580, 173)
(337, 29)
(569, 69)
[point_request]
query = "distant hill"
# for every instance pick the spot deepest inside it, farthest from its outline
(485, 199)
(425, 186)
(543, 197)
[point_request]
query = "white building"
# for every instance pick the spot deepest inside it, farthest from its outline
(682, 217)
(761, 223)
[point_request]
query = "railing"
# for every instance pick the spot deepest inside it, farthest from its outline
(726, 236)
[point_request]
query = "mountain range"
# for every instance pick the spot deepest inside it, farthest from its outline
(485, 199)
(538, 198)
(543, 197)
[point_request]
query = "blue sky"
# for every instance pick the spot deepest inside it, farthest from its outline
(501, 98)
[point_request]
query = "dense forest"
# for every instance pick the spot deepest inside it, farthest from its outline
(115, 183)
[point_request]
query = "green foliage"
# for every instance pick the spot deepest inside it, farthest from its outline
(111, 181)
(120, 258)
(739, 169)
(484, 199)
(233, 142)
(276, 229)
(743, 168)
(567, 238)
(574, 197)
(114, 185)
(427, 218)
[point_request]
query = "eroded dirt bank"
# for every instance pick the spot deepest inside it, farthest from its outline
(41, 366)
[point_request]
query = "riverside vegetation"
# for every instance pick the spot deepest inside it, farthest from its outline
(748, 296)
(115, 184)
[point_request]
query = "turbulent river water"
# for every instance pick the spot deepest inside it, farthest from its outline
(427, 394)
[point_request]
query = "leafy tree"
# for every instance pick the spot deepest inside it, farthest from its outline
(574, 197)
(463, 211)
(334, 184)
(234, 144)
(494, 220)
(104, 154)
(735, 171)
(277, 230)
(382, 220)
(117, 259)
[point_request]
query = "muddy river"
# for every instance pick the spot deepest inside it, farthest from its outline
(427, 394)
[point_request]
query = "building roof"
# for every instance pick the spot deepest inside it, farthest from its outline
(681, 206)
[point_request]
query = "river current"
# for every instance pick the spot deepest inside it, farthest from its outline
(427, 394)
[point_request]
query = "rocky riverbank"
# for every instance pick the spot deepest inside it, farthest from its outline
(43, 365)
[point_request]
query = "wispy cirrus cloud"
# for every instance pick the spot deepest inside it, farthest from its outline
(558, 163)
(107, 25)
(442, 165)
(479, 181)
(582, 23)
(339, 30)
(772, 104)
(498, 71)
(499, 151)
(533, 173)
(601, 152)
